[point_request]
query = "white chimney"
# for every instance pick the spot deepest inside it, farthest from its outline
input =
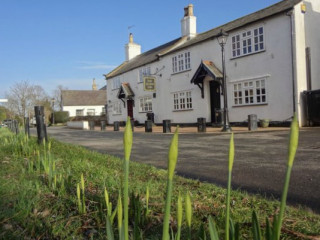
(132, 49)
(189, 23)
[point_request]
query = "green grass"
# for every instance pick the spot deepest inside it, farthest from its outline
(30, 206)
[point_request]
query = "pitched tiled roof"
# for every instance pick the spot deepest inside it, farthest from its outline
(180, 43)
(84, 97)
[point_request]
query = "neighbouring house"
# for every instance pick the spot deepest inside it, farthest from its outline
(271, 57)
(84, 102)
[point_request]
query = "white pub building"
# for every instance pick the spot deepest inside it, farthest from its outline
(271, 57)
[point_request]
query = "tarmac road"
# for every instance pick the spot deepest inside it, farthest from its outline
(259, 166)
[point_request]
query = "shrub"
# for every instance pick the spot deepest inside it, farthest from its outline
(61, 117)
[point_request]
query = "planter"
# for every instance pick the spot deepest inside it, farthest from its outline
(264, 123)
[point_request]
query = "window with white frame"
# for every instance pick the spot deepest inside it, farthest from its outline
(116, 108)
(250, 92)
(181, 62)
(182, 100)
(79, 112)
(116, 83)
(145, 104)
(248, 42)
(91, 112)
(145, 71)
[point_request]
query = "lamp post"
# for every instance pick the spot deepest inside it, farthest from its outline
(222, 39)
(53, 100)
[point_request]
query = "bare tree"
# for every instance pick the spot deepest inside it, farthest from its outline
(23, 96)
(57, 96)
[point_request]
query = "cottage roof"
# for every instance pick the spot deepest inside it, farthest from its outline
(180, 43)
(84, 97)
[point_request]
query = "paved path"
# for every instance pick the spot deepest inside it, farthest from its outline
(260, 158)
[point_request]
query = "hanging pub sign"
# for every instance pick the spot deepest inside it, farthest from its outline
(149, 83)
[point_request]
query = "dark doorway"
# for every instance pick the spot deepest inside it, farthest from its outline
(130, 108)
(215, 102)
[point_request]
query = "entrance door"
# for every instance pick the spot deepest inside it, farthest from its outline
(215, 102)
(130, 108)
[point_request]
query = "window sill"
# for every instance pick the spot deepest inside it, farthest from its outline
(146, 112)
(183, 110)
(248, 54)
(181, 71)
(250, 105)
(116, 114)
(115, 89)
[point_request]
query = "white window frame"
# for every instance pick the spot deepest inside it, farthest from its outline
(144, 71)
(181, 62)
(182, 100)
(145, 104)
(248, 42)
(79, 112)
(116, 108)
(91, 112)
(250, 92)
(116, 83)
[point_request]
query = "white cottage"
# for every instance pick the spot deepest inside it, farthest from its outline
(271, 57)
(84, 102)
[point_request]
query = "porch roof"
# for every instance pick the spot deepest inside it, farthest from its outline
(206, 68)
(125, 91)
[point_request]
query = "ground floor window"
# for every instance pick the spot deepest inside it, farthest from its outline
(116, 108)
(145, 104)
(249, 92)
(182, 100)
(91, 112)
(79, 112)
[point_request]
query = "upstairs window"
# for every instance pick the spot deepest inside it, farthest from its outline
(145, 71)
(181, 62)
(248, 42)
(116, 83)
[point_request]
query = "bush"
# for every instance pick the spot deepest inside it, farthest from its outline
(61, 117)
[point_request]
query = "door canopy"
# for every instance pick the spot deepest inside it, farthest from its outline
(125, 92)
(206, 68)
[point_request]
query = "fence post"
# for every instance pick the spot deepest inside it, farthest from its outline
(27, 126)
(41, 128)
(16, 127)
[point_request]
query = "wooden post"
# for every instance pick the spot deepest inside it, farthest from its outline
(27, 126)
(41, 128)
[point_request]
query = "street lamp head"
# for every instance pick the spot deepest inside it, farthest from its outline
(222, 37)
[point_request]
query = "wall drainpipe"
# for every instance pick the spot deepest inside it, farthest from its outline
(293, 61)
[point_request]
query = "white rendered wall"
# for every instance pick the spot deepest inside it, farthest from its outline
(72, 110)
(312, 26)
(275, 63)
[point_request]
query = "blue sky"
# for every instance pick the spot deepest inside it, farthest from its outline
(70, 42)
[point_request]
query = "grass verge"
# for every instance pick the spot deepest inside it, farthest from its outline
(32, 206)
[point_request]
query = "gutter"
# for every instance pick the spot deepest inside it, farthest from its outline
(293, 61)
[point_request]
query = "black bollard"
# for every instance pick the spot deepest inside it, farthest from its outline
(41, 128)
(148, 126)
(27, 126)
(132, 125)
(116, 126)
(252, 122)
(202, 125)
(103, 125)
(166, 126)
(91, 125)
